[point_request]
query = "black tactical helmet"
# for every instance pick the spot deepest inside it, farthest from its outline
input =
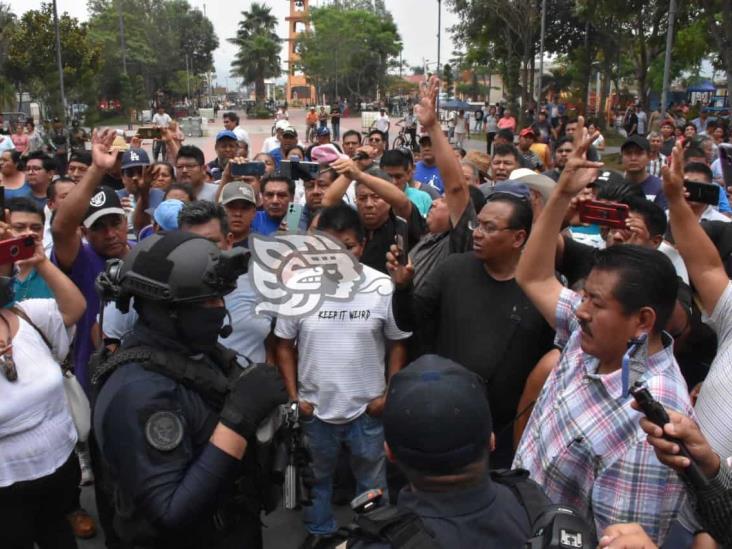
(174, 268)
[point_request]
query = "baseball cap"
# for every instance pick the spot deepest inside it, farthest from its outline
(511, 188)
(526, 132)
(638, 141)
(608, 177)
(166, 214)
(238, 190)
(281, 124)
(135, 157)
(289, 130)
(103, 202)
(323, 131)
(119, 145)
(536, 182)
(436, 416)
(226, 134)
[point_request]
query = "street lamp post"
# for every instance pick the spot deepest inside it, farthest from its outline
(60, 63)
(667, 60)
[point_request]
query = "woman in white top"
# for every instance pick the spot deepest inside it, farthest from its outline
(599, 142)
(39, 472)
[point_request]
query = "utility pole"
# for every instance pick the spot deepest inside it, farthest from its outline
(60, 64)
(188, 79)
(439, 43)
(122, 36)
(541, 48)
(667, 60)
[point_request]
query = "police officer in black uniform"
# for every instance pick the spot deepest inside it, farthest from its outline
(174, 415)
(437, 429)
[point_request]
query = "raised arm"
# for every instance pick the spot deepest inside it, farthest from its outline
(334, 193)
(457, 195)
(697, 250)
(535, 270)
(71, 211)
(389, 192)
(71, 302)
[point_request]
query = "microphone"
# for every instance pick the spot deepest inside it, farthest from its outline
(226, 330)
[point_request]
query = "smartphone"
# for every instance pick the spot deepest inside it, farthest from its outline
(706, 193)
(149, 132)
(294, 213)
(725, 159)
(252, 169)
(606, 214)
(15, 249)
(401, 240)
(307, 170)
(656, 413)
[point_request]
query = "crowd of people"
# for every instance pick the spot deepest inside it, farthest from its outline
(513, 328)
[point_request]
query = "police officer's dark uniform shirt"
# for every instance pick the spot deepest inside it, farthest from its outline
(486, 515)
(489, 326)
(380, 240)
(153, 433)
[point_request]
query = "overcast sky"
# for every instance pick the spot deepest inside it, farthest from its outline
(415, 19)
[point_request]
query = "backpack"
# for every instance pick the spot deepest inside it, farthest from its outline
(404, 529)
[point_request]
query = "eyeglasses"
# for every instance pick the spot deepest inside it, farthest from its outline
(34, 168)
(487, 228)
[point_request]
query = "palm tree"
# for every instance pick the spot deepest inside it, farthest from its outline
(259, 49)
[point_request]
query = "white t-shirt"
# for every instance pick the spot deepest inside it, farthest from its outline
(37, 433)
(241, 134)
(382, 123)
(270, 144)
(341, 384)
(162, 120)
(673, 254)
(642, 118)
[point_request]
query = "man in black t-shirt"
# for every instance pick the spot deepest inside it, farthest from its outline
(471, 310)
(384, 209)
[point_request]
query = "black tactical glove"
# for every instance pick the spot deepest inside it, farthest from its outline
(254, 394)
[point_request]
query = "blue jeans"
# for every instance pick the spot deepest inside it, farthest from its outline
(364, 437)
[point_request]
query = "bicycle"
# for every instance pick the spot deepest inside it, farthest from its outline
(405, 139)
(312, 134)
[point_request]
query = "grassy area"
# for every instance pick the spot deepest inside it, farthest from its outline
(612, 161)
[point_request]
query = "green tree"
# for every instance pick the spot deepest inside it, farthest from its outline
(717, 14)
(258, 55)
(7, 23)
(30, 63)
(349, 49)
(162, 39)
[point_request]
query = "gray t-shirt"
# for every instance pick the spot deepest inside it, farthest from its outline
(208, 192)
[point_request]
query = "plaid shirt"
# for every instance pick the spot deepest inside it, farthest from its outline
(583, 442)
(714, 504)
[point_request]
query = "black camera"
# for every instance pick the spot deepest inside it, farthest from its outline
(561, 527)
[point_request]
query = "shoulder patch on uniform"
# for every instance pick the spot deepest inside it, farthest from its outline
(164, 430)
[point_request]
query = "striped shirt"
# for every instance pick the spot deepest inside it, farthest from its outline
(584, 444)
(715, 399)
(341, 349)
(655, 165)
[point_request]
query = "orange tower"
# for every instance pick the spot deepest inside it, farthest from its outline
(297, 91)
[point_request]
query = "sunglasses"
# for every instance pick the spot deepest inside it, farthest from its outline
(132, 172)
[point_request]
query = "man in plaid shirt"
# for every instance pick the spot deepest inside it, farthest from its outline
(583, 442)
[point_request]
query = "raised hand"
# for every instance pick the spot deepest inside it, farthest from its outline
(101, 143)
(673, 175)
(425, 109)
(345, 166)
(579, 171)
